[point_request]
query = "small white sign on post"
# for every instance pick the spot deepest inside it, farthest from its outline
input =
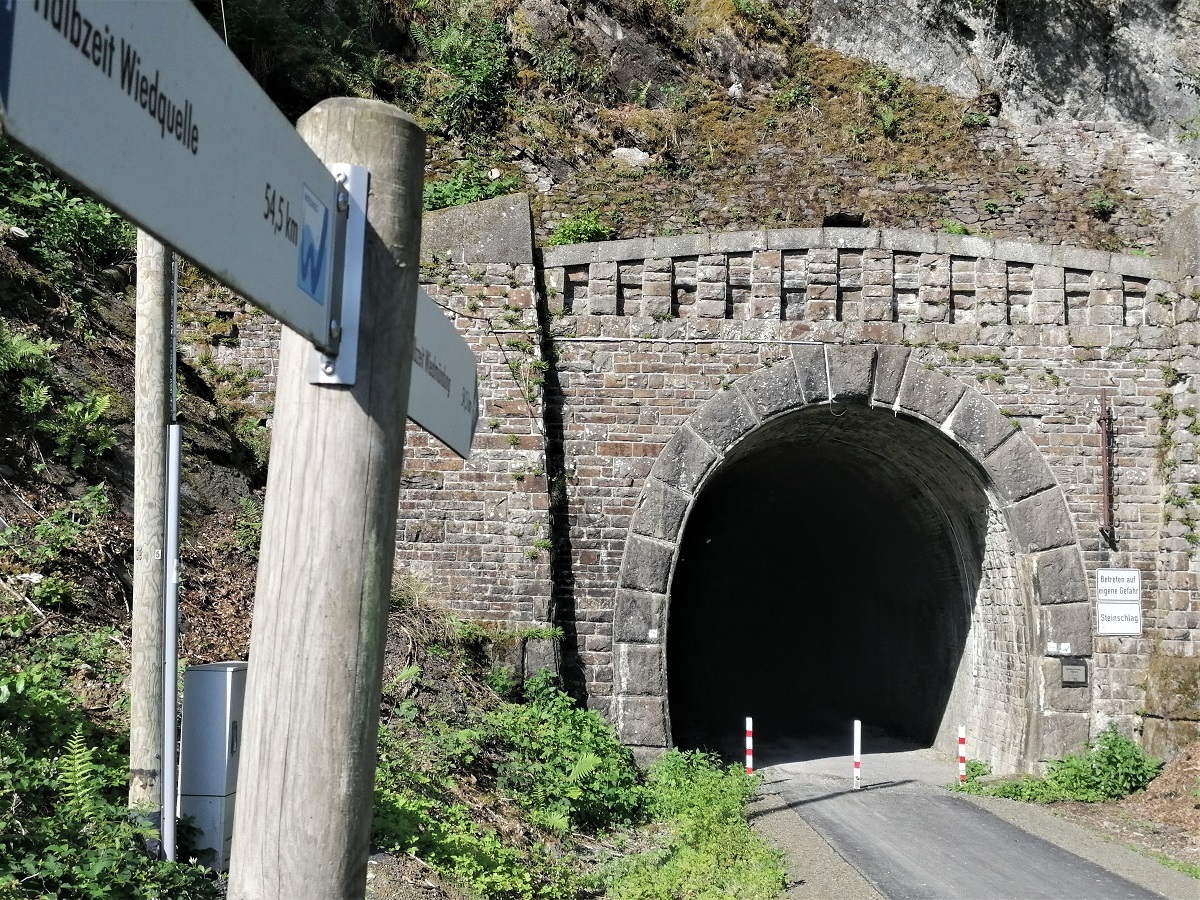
(1118, 602)
(141, 103)
(443, 397)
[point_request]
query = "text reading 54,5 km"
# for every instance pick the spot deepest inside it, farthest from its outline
(278, 212)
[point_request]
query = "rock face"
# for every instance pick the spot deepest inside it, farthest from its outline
(1097, 60)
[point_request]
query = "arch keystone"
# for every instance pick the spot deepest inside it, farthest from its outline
(809, 360)
(890, 363)
(850, 369)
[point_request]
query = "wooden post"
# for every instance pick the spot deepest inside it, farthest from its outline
(305, 780)
(152, 398)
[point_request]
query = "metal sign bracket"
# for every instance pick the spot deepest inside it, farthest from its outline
(342, 369)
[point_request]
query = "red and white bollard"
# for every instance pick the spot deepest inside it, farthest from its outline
(857, 752)
(749, 746)
(962, 753)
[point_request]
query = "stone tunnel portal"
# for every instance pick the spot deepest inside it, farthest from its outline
(836, 566)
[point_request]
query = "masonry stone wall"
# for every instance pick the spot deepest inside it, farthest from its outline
(640, 342)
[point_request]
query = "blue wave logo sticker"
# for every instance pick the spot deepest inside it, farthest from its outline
(313, 268)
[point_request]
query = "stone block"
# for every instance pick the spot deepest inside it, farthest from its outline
(850, 369)
(1059, 576)
(723, 419)
(736, 241)
(1041, 522)
(646, 565)
(1018, 469)
(965, 245)
(773, 390)
(851, 238)
(1180, 244)
(1013, 251)
(794, 238)
(642, 721)
(906, 241)
(1063, 699)
(1173, 687)
(1078, 258)
(809, 360)
(661, 511)
(929, 394)
(1164, 738)
(490, 231)
(639, 616)
(710, 309)
(677, 245)
(890, 362)
(639, 669)
(1069, 623)
(684, 461)
(979, 425)
(1060, 733)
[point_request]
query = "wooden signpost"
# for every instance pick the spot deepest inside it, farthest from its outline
(141, 103)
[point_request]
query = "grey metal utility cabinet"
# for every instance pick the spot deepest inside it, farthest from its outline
(209, 747)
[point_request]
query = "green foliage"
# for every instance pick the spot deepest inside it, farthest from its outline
(1100, 204)
(580, 229)
(974, 119)
(58, 532)
(65, 831)
(469, 183)
(1111, 767)
(78, 431)
(247, 527)
(66, 228)
(470, 83)
(562, 763)
(951, 226)
(417, 812)
(888, 100)
(798, 94)
(712, 854)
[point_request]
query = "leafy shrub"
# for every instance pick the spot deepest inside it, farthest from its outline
(473, 63)
(468, 184)
(416, 812)
(79, 430)
(1111, 767)
(712, 853)
(580, 229)
(1101, 205)
(65, 831)
(562, 763)
(952, 226)
(974, 119)
(66, 227)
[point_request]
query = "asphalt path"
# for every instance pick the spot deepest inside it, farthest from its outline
(906, 836)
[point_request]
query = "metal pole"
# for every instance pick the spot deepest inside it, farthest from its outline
(1105, 420)
(857, 752)
(171, 644)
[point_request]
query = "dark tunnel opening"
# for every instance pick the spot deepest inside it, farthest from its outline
(827, 572)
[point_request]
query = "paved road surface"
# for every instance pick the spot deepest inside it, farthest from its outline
(907, 837)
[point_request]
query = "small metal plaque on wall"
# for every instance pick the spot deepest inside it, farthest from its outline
(1074, 671)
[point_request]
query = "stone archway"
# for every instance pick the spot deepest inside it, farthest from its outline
(1028, 586)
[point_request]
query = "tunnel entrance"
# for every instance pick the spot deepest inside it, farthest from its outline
(845, 562)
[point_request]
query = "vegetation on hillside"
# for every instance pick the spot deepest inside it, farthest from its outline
(1111, 767)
